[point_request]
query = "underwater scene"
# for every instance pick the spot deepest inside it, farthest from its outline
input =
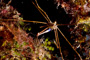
(44, 29)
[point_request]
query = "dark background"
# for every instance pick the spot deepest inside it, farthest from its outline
(29, 12)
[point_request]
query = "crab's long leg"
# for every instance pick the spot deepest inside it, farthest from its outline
(43, 26)
(9, 2)
(69, 43)
(42, 11)
(64, 24)
(23, 21)
(57, 41)
(34, 21)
